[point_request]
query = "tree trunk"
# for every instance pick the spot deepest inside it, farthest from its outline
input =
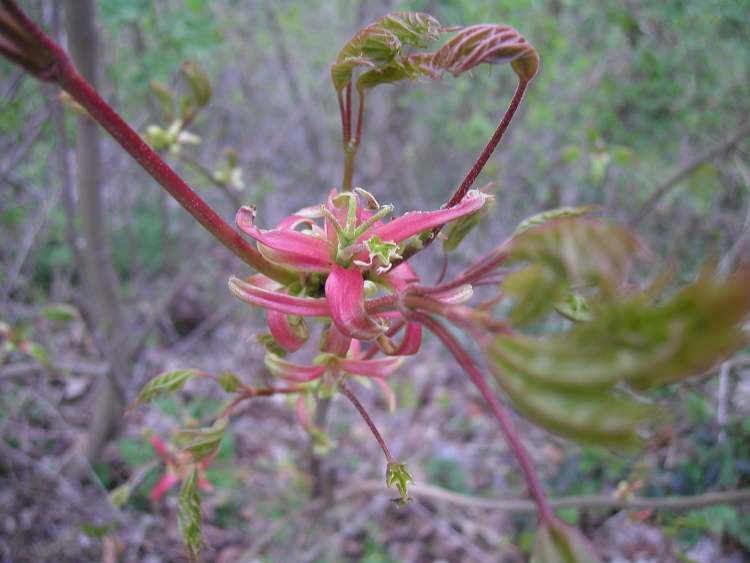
(100, 275)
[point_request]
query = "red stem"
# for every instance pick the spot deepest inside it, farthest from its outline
(491, 145)
(348, 114)
(476, 169)
(353, 399)
(360, 119)
(500, 414)
(62, 72)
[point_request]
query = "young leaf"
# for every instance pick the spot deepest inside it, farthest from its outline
(397, 475)
(204, 442)
(61, 313)
(229, 382)
(168, 382)
(120, 495)
(379, 47)
(198, 81)
(581, 251)
(189, 513)
(552, 215)
(487, 44)
(590, 416)
(636, 342)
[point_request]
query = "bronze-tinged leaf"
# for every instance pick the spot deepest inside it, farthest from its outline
(535, 290)
(583, 252)
(637, 342)
(590, 416)
(488, 44)
(380, 47)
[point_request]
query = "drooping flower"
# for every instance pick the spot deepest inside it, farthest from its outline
(340, 262)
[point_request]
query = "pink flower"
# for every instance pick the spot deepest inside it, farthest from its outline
(340, 261)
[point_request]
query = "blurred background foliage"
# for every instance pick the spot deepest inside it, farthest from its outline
(630, 94)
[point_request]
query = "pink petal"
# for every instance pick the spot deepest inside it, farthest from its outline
(456, 295)
(345, 295)
(382, 367)
(277, 301)
(412, 340)
(290, 338)
(290, 371)
(334, 342)
(286, 246)
(416, 222)
(165, 482)
(400, 276)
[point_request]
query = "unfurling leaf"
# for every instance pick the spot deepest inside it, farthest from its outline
(168, 382)
(397, 475)
(204, 442)
(582, 252)
(557, 543)
(535, 290)
(552, 215)
(487, 44)
(590, 416)
(379, 48)
(189, 513)
(61, 312)
(636, 342)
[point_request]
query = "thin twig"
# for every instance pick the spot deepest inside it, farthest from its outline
(688, 168)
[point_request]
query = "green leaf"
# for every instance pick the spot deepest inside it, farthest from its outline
(229, 382)
(535, 290)
(168, 382)
(397, 475)
(62, 312)
(557, 543)
(456, 231)
(269, 343)
(189, 513)
(590, 416)
(636, 342)
(39, 353)
(198, 81)
(574, 308)
(120, 495)
(553, 215)
(583, 252)
(204, 442)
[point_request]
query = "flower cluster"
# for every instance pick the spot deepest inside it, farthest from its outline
(348, 261)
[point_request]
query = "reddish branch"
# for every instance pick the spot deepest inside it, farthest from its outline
(27, 44)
